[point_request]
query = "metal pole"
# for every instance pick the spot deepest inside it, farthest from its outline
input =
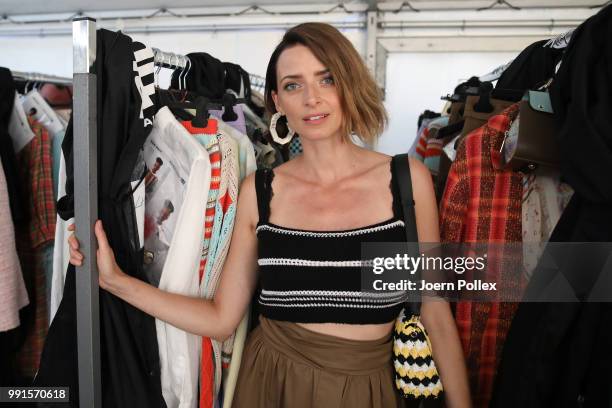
(372, 34)
(86, 209)
(35, 76)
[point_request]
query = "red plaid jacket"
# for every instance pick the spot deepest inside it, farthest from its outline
(482, 203)
(36, 177)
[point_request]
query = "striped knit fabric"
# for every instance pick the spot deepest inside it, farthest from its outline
(482, 203)
(228, 207)
(432, 155)
(421, 147)
(211, 372)
(208, 138)
(315, 276)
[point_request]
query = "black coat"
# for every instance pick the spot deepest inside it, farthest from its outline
(560, 354)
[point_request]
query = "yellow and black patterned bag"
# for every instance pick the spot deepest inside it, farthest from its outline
(416, 375)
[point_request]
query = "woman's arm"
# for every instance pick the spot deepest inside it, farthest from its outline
(215, 318)
(435, 313)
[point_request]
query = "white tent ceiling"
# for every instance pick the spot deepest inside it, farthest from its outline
(20, 7)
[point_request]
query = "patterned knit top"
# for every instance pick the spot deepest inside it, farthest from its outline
(315, 276)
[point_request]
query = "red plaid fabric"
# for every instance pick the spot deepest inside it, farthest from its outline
(36, 177)
(482, 203)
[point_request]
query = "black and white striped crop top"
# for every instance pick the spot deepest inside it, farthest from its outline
(315, 276)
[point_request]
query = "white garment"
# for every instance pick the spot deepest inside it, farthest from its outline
(264, 154)
(179, 351)
(19, 127)
(544, 199)
(13, 295)
(248, 163)
(230, 380)
(449, 149)
(61, 252)
(42, 112)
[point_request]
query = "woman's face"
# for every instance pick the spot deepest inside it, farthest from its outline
(307, 94)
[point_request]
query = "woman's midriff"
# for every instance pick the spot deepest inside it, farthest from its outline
(351, 331)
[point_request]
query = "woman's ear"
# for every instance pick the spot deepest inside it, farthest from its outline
(275, 99)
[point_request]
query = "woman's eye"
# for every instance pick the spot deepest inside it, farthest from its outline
(328, 81)
(290, 86)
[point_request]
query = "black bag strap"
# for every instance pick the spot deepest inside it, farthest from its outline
(263, 189)
(401, 168)
(404, 181)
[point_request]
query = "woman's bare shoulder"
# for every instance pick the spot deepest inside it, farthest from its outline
(421, 177)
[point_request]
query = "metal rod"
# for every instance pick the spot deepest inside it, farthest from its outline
(257, 81)
(86, 210)
(172, 60)
(38, 77)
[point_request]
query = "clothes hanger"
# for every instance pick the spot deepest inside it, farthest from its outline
(183, 63)
(450, 130)
(484, 102)
(188, 65)
(229, 101)
(157, 71)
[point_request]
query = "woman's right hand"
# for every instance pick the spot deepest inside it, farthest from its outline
(108, 270)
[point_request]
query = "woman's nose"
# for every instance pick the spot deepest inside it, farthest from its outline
(311, 95)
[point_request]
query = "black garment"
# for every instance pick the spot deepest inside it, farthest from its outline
(581, 95)
(427, 115)
(464, 89)
(129, 351)
(237, 79)
(209, 77)
(560, 354)
(206, 76)
(532, 68)
(7, 153)
(312, 277)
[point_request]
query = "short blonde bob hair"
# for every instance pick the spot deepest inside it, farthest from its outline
(363, 110)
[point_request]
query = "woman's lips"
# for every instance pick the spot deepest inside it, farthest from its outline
(315, 119)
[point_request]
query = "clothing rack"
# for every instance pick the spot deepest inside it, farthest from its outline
(86, 209)
(172, 60)
(86, 197)
(38, 77)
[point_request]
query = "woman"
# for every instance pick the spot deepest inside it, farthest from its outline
(313, 347)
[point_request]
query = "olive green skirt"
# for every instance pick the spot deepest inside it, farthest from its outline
(286, 365)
